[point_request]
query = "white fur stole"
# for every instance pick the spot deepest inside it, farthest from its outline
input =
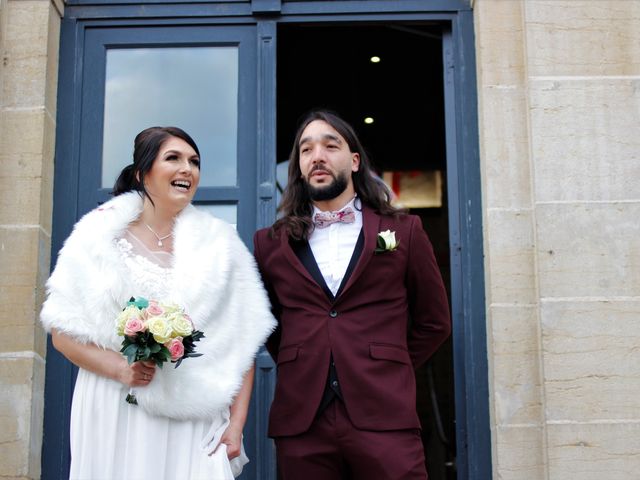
(215, 280)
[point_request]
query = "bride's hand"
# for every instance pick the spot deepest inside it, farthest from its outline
(138, 374)
(232, 438)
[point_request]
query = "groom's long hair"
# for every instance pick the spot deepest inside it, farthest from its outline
(296, 206)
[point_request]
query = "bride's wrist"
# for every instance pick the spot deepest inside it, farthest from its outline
(236, 424)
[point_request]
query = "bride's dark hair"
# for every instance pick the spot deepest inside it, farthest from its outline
(145, 150)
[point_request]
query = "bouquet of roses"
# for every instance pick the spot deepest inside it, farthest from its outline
(157, 332)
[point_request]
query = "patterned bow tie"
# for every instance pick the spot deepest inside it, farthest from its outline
(324, 219)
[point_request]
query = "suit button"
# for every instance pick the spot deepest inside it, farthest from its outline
(334, 383)
(333, 314)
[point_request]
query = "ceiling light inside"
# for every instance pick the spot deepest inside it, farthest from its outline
(375, 59)
(368, 120)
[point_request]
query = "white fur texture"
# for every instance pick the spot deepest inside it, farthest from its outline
(215, 280)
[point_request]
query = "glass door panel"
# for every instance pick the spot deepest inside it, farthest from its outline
(199, 78)
(228, 213)
(194, 88)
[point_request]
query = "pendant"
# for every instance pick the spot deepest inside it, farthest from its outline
(159, 243)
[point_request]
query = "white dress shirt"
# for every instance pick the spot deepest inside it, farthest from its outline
(333, 246)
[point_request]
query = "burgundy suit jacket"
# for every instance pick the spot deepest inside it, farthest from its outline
(389, 317)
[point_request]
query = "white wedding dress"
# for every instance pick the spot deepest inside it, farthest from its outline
(111, 439)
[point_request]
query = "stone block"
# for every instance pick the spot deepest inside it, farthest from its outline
(504, 138)
(20, 328)
(582, 37)
(17, 205)
(24, 81)
(24, 259)
(18, 165)
(17, 377)
(17, 306)
(500, 42)
(30, 55)
(8, 428)
(47, 166)
(27, 27)
(19, 256)
(516, 389)
(44, 268)
(21, 132)
(510, 257)
(588, 249)
(58, 7)
(39, 337)
(591, 359)
(48, 142)
(53, 48)
(593, 451)
(13, 455)
(585, 139)
(36, 427)
(519, 453)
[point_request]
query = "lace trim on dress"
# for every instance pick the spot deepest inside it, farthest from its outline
(153, 280)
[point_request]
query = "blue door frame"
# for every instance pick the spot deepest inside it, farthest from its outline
(464, 188)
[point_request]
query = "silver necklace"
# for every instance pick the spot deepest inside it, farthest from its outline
(158, 236)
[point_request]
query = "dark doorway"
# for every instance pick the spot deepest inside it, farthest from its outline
(320, 66)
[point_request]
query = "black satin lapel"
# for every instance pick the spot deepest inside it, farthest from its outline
(294, 260)
(305, 255)
(357, 251)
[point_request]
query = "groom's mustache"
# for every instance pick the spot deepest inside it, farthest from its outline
(320, 168)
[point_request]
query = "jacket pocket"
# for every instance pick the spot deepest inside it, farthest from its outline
(386, 351)
(288, 354)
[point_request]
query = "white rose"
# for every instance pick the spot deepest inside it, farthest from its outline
(389, 239)
(181, 325)
(160, 329)
(171, 308)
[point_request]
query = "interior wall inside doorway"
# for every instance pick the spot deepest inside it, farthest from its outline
(329, 66)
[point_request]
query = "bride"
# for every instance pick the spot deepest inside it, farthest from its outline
(149, 241)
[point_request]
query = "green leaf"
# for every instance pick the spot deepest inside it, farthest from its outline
(196, 335)
(131, 357)
(131, 349)
(126, 342)
(164, 353)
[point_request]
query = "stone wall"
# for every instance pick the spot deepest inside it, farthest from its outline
(29, 41)
(559, 94)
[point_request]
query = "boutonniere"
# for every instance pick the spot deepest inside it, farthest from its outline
(386, 242)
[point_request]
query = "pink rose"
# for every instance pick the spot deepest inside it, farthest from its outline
(176, 349)
(133, 326)
(154, 310)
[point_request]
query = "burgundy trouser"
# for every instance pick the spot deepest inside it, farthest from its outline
(333, 449)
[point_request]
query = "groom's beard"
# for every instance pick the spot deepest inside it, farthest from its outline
(328, 192)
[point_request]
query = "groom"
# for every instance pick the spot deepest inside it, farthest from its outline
(358, 311)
